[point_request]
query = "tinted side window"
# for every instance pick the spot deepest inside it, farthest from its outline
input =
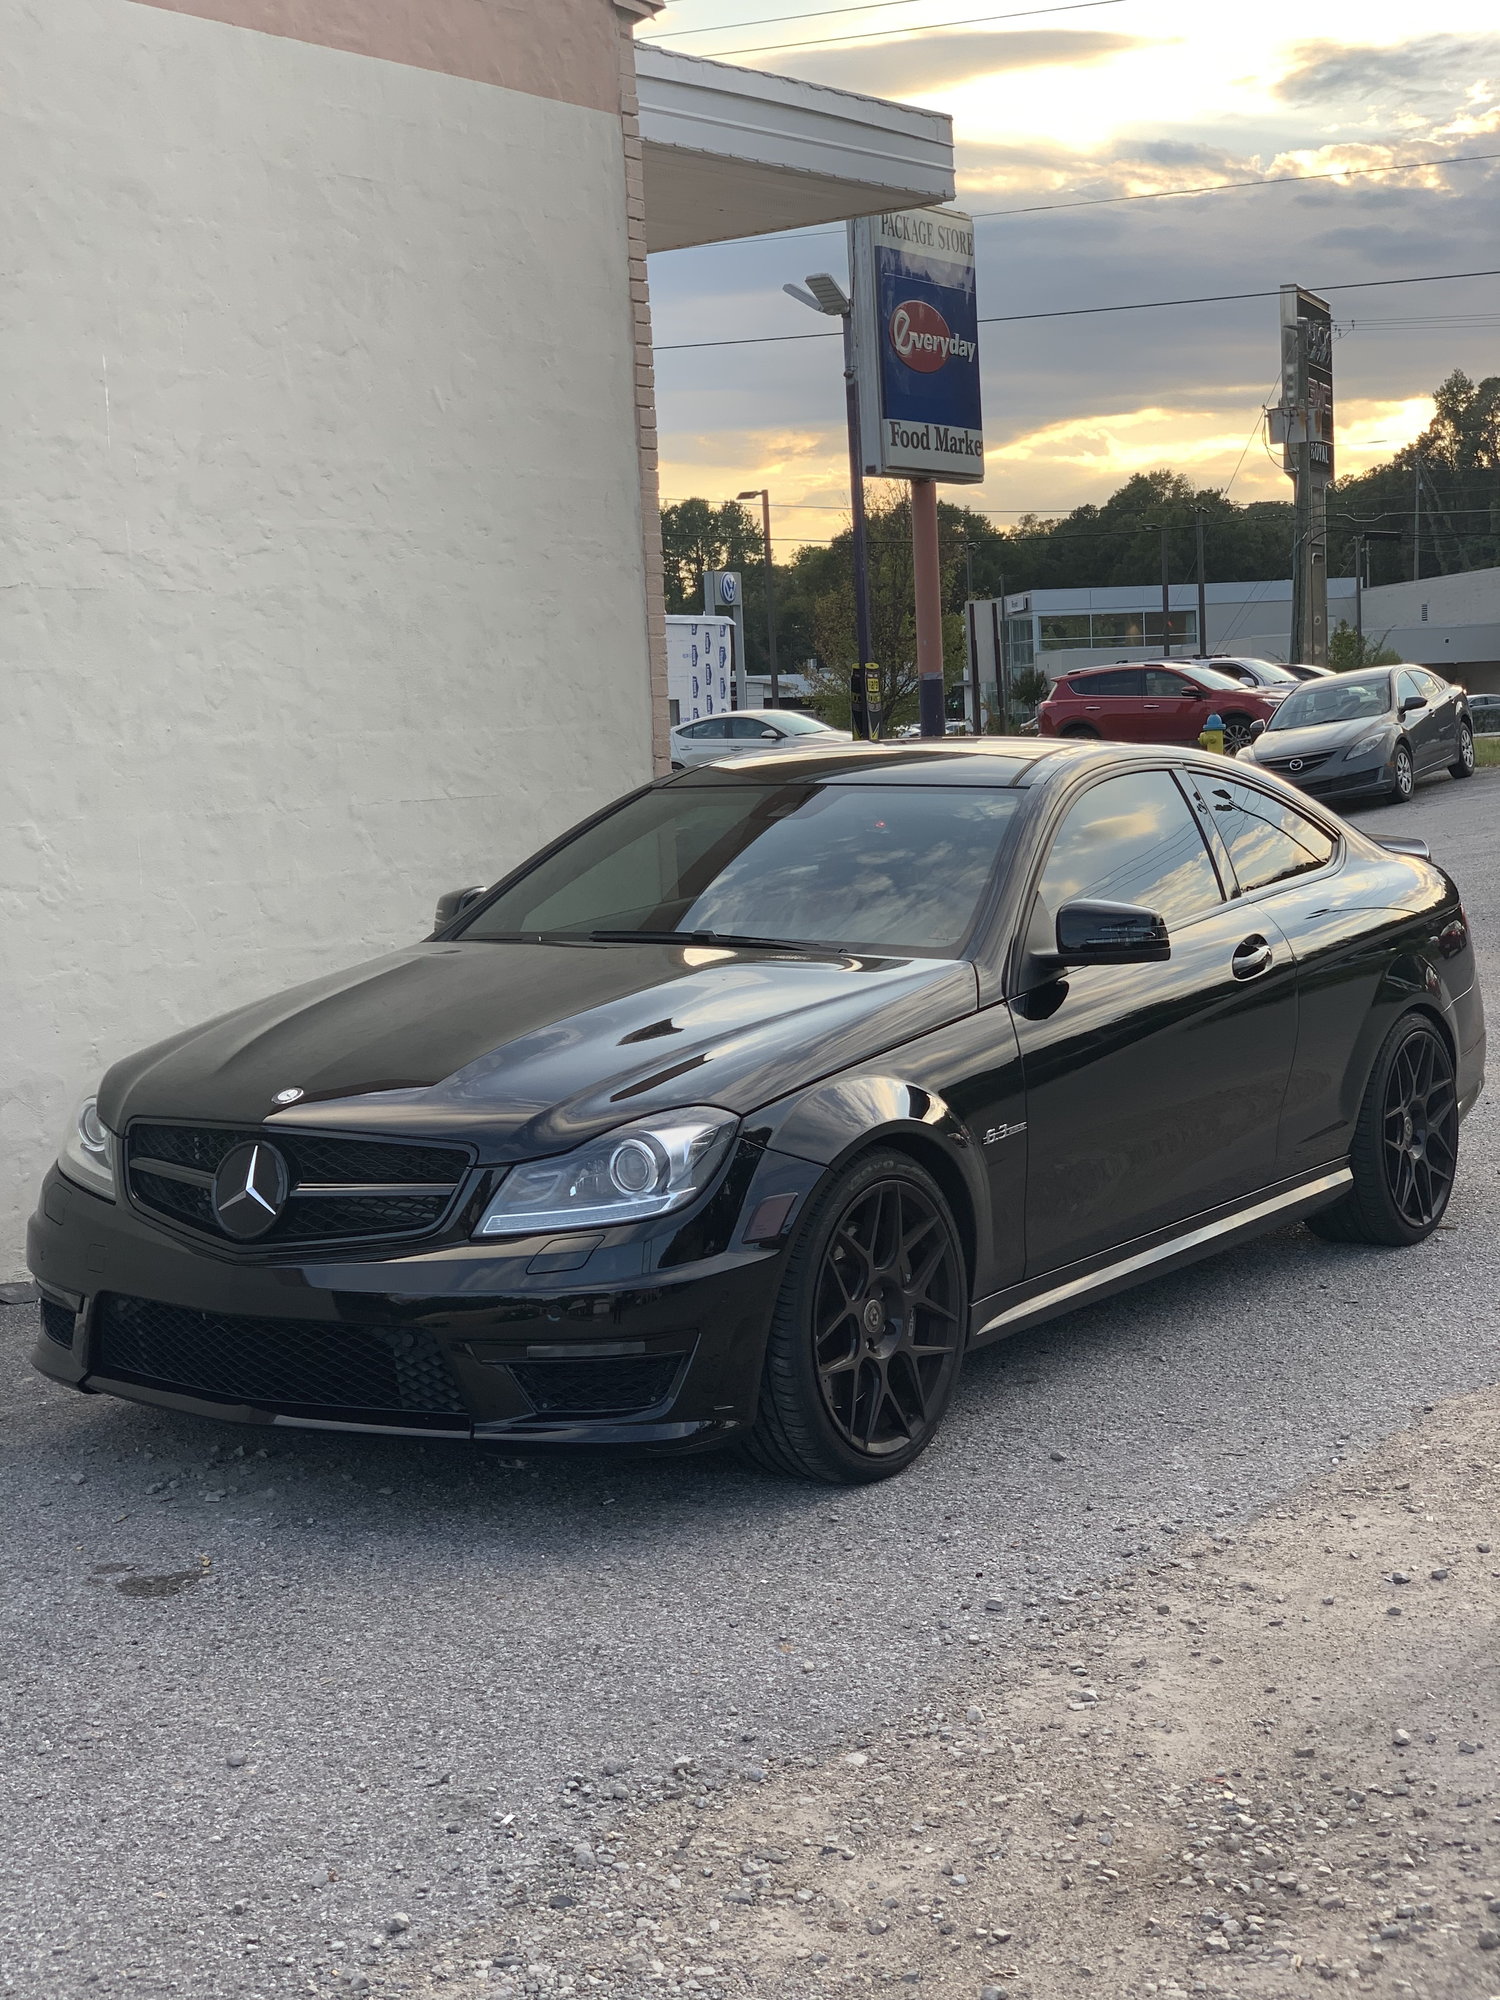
(1434, 687)
(1125, 680)
(1131, 840)
(1268, 840)
(1409, 688)
(1162, 686)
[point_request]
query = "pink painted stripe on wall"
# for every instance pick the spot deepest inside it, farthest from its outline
(564, 49)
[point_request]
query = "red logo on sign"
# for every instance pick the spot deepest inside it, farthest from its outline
(920, 336)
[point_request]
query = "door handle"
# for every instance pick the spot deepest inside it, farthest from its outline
(1251, 958)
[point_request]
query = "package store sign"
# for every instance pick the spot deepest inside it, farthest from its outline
(916, 344)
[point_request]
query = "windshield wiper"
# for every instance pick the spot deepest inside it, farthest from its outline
(733, 940)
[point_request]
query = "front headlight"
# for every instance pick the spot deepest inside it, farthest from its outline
(88, 1150)
(639, 1170)
(1375, 740)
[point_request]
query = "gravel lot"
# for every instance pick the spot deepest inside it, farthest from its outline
(265, 1696)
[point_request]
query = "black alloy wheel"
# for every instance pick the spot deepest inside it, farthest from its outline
(1237, 734)
(869, 1330)
(1403, 775)
(1405, 1150)
(1463, 765)
(1081, 729)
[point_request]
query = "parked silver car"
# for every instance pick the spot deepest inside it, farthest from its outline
(745, 731)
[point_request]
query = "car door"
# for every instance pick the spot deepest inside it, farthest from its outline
(750, 732)
(1111, 702)
(706, 741)
(1423, 726)
(1172, 707)
(1153, 1092)
(1289, 867)
(1444, 700)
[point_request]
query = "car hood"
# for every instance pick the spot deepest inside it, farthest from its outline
(527, 1048)
(1317, 738)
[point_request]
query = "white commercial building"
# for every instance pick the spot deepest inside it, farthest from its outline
(1451, 623)
(327, 379)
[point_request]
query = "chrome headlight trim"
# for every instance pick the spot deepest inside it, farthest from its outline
(88, 1151)
(646, 1168)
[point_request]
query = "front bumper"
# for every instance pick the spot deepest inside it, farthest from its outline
(464, 1340)
(1336, 780)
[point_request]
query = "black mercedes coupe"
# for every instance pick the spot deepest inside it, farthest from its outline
(746, 1109)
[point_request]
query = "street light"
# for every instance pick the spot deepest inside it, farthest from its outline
(824, 294)
(762, 494)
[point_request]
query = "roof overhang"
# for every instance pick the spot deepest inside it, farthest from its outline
(735, 152)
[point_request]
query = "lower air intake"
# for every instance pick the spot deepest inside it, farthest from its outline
(295, 1366)
(597, 1387)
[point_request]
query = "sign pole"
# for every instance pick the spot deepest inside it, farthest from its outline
(1302, 424)
(927, 571)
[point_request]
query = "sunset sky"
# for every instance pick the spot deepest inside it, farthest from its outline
(1123, 98)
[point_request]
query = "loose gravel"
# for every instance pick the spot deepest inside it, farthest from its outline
(273, 1696)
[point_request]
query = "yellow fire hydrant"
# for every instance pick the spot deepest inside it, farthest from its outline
(1211, 736)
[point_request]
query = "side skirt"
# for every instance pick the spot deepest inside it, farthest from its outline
(1060, 1291)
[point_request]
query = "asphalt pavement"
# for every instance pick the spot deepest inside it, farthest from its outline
(266, 1692)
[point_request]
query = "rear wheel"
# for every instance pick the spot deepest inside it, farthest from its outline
(1403, 775)
(1080, 729)
(868, 1331)
(1237, 732)
(1405, 1149)
(1463, 765)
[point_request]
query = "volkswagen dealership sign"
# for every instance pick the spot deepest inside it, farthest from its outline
(916, 344)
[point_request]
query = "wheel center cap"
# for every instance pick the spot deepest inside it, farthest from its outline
(1408, 1130)
(873, 1316)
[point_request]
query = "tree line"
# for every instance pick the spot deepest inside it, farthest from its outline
(1441, 493)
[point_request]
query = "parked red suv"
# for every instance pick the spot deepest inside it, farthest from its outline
(1155, 704)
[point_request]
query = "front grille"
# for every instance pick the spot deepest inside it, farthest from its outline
(57, 1322)
(298, 1366)
(594, 1387)
(340, 1189)
(1283, 765)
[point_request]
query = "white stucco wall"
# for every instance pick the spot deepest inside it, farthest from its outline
(320, 549)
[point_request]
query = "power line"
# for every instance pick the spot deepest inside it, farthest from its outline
(1154, 194)
(823, 13)
(1082, 312)
(886, 34)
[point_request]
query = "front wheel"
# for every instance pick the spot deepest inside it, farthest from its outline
(1463, 765)
(868, 1330)
(1405, 1149)
(1403, 776)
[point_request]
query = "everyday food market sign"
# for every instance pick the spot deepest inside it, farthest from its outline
(916, 344)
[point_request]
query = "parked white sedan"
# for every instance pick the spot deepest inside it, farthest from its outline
(744, 731)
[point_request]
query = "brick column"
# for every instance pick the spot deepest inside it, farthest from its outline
(645, 378)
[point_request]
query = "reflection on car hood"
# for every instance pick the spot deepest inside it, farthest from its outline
(529, 1048)
(1279, 743)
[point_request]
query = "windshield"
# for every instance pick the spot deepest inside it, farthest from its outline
(864, 867)
(1340, 699)
(1210, 677)
(797, 725)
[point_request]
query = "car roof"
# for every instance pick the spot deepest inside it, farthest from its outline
(937, 760)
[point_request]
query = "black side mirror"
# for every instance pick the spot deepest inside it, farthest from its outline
(1111, 934)
(1257, 730)
(1413, 701)
(452, 904)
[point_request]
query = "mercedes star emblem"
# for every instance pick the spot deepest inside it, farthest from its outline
(288, 1096)
(250, 1190)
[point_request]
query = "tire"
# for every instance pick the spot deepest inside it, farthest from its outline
(1405, 1149)
(1237, 733)
(868, 1332)
(1405, 783)
(1080, 729)
(1463, 766)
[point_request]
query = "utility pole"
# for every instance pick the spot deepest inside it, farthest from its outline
(927, 574)
(1302, 424)
(1416, 517)
(1166, 593)
(976, 713)
(762, 494)
(1202, 585)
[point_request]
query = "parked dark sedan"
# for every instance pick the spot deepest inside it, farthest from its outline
(747, 1108)
(1375, 732)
